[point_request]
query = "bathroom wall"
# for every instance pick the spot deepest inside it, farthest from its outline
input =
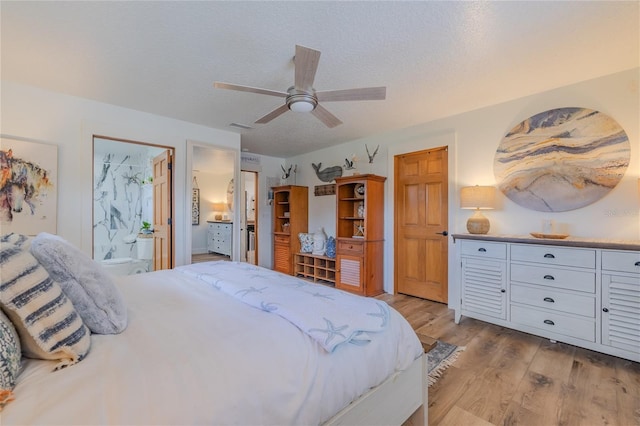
(122, 195)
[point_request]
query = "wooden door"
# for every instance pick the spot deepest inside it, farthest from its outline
(421, 246)
(162, 208)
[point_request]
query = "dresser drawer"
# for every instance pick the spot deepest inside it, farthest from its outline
(220, 226)
(621, 261)
(554, 277)
(579, 328)
(549, 298)
(483, 249)
(554, 255)
(350, 247)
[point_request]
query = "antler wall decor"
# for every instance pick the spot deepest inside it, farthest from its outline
(371, 156)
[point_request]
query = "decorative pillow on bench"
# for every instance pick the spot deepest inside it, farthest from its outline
(84, 281)
(306, 242)
(48, 325)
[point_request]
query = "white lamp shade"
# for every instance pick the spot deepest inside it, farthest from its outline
(478, 197)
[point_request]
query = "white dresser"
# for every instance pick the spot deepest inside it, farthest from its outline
(582, 292)
(219, 237)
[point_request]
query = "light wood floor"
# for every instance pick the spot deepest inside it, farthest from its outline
(505, 377)
(206, 257)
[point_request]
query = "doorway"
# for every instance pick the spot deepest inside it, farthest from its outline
(214, 226)
(248, 216)
(123, 205)
(421, 223)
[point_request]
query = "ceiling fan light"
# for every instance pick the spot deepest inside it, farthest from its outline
(301, 105)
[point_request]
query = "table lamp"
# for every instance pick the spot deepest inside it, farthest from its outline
(478, 198)
(218, 208)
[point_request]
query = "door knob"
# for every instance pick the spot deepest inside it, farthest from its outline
(445, 233)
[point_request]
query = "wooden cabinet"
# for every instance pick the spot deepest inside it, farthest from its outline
(320, 269)
(577, 292)
(220, 237)
(360, 234)
(290, 217)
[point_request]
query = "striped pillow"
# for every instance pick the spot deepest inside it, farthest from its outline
(22, 241)
(48, 325)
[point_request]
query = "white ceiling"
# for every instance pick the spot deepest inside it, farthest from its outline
(435, 58)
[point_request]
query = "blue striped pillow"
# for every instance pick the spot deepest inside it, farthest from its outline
(48, 325)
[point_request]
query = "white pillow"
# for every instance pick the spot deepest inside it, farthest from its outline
(84, 281)
(48, 325)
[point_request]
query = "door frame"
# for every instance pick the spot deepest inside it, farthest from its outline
(172, 183)
(235, 217)
(413, 143)
(256, 212)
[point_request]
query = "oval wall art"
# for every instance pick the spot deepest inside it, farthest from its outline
(561, 159)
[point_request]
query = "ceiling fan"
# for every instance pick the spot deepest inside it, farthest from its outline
(302, 97)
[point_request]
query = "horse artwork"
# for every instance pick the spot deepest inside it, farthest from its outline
(27, 187)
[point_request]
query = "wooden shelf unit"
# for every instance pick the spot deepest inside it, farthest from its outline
(317, 268)
(290, 206)
(360, 233)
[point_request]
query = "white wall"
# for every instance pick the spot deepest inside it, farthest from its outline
(70, 122)
(472, 138)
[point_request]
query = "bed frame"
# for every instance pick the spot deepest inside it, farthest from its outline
(394, 400)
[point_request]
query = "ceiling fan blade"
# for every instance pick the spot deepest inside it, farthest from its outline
(273, 114)
(306, 63)
(326, 117)
(229, 86)
(363, 94)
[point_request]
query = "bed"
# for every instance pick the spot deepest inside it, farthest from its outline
(201, 347)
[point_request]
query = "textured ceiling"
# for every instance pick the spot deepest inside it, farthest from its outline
(435, 58)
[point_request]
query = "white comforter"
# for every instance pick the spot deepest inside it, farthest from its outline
(192, 354)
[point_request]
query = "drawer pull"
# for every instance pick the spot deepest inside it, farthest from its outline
(637, 263)
(549, 277)
(549, 256)
(503, 291)
(548, 299)
(482, 249)
(549, 322)
(605, 309)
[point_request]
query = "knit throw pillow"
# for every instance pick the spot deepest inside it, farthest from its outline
(47, 323)
(84, 281)
(10, 354)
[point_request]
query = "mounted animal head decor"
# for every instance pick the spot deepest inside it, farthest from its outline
(286, 173)
(371, 156)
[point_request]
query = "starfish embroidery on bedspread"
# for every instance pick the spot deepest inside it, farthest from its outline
(216, 282)
(322, 296)
(268, 307)
(250, 290)
(297, 284)
(331, 330)
(360, 341)
(384, 314)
